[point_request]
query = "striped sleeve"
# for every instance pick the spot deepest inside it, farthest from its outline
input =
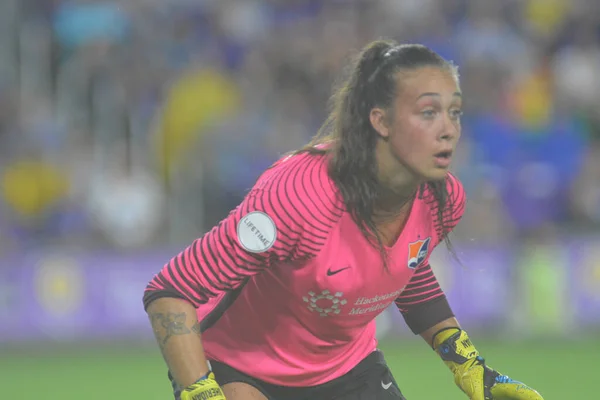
(422, 287)
(286, 217)
(423, 302)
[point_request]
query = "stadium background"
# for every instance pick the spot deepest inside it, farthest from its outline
(127, 128)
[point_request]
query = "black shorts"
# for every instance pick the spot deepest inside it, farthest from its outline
(371, 379)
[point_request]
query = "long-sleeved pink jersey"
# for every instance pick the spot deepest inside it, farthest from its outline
(289, 285)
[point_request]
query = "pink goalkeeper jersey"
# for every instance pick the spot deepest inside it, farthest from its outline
(301, 283)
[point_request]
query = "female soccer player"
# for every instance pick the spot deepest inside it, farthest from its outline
(279, 300)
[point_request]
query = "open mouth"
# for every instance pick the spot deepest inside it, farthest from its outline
(444, 154)
(443, 158)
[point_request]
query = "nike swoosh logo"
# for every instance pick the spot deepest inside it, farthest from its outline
(386, 386)
(331, 272)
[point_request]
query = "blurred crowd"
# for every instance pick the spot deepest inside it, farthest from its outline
(136, 123)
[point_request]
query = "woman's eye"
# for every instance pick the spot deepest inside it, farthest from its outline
(428, 113)
(456, 114)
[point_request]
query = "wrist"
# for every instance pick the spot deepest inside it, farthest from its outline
(206, 374)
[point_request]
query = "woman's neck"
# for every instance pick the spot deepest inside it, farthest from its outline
(398, 185)
(392, 210)
(397, 188)
(392, 201)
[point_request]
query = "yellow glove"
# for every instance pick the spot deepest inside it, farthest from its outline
(206, 388)
(472, 375)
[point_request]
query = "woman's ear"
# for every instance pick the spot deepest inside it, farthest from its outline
(378, 118)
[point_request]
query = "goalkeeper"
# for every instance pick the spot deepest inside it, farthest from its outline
(278, 302)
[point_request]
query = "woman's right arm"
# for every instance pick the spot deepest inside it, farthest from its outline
(177, 332)
(268, 227)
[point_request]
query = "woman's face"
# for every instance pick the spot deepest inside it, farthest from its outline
(423, 129)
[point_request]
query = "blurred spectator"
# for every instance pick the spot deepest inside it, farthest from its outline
(78, 23)
(33, 189)
(576, 69)
(586, 191)
(195, 102)
(125, 201)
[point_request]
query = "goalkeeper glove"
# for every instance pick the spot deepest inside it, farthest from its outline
(472, 375)
(206, 388)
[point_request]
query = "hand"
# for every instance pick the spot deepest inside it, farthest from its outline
(204, 389)
(480, 382)
(472, 375)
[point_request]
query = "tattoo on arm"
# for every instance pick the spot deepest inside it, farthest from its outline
(173, 324)
(196, 328)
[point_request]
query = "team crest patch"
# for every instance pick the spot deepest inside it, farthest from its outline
(417, 252)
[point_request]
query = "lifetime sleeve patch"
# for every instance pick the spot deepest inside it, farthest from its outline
(256, 232)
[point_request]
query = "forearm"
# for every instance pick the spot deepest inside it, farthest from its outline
(177, 332)
(429, 333)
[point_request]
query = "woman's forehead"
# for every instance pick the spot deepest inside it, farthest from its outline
(428, 79)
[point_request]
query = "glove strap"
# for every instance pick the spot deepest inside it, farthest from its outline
(454, 346)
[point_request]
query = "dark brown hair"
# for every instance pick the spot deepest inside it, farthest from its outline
(351, 139)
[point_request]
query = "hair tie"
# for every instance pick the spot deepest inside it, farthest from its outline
(390, 52)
